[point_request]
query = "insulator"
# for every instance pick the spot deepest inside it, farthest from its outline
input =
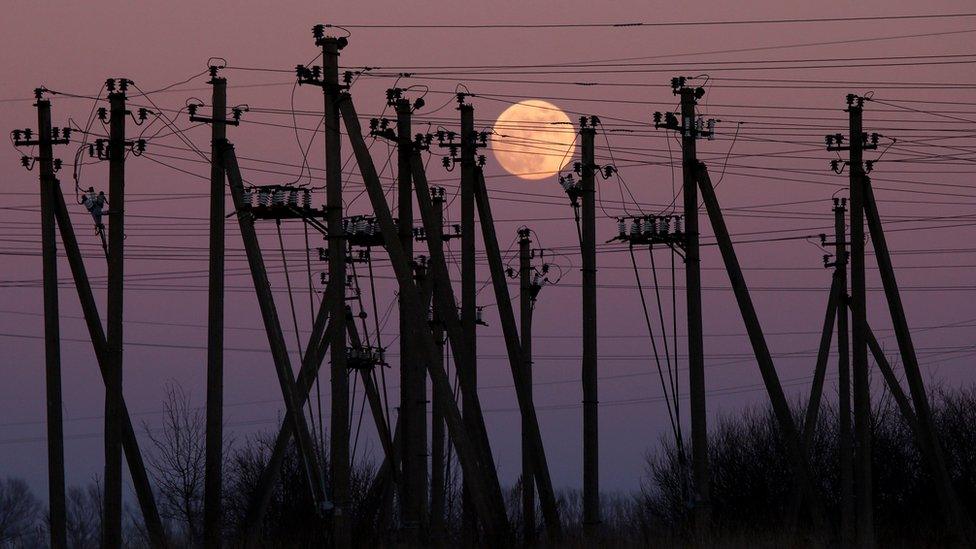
(699, 125)
(648, 226)
(246, 197)
(677, 224)
(622, 227)
(665, 225)
(360, 226)
(307, 199)
(278, 197)
(371, 227)
(293, 198)
(711, 129)
(264, 198)
(635, 227)
(479, 315)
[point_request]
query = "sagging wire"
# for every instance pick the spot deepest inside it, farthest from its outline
(311, 310)
(664, 386)
(294, 319)
(621, 183)
(672, 369)
(728, 154)
(379, 342)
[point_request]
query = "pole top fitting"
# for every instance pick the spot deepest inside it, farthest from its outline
(590, 122)
(214, 64)
(321, 39)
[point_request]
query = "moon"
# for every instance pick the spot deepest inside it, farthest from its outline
(533, 139)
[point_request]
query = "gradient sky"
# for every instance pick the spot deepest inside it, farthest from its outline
(776, 183)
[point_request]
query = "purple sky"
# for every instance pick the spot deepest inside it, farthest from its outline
(776, 183)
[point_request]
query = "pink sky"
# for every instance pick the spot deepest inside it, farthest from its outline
(73, 47)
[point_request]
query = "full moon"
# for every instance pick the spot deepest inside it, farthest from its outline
(533, 139)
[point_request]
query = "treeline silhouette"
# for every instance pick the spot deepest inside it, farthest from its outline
(752, 488)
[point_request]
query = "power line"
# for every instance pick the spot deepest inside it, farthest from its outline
(652, 24)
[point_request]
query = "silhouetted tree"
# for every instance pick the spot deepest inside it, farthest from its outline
(20, 514)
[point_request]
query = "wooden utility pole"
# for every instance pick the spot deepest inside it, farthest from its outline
(777, 398)
(213, 462)
(956, 518)
(864, 512)
(701, 477)
(696, 179)
(339, 437)
(523, 390)
(591, 424)
(438, 442)
(862, 382)
(137, 467)
(846, 442)
(820, 370)
(52, 335)
(47, 137)
(413, 386)
(474, 453)
(468, 368)
(112, 517)
(526, 300)
(290, 392)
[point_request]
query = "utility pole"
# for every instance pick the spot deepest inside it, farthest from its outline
(837, 313)
(591, 440)
(692, 129)
(865, 208)
(526, 301)
(47, 137)
(864, 528)
(513, 347)
(468, 368)
(137, 468)
(687, 127)
(112, 517)
(701, 485)
(957, 521)
(215, 326)
(438, 446)
(292, 394)
(339, 438)
(473, 447)
(413, 379)
(864, 513)
(213, 461)
(413, 387)
(844, 378)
